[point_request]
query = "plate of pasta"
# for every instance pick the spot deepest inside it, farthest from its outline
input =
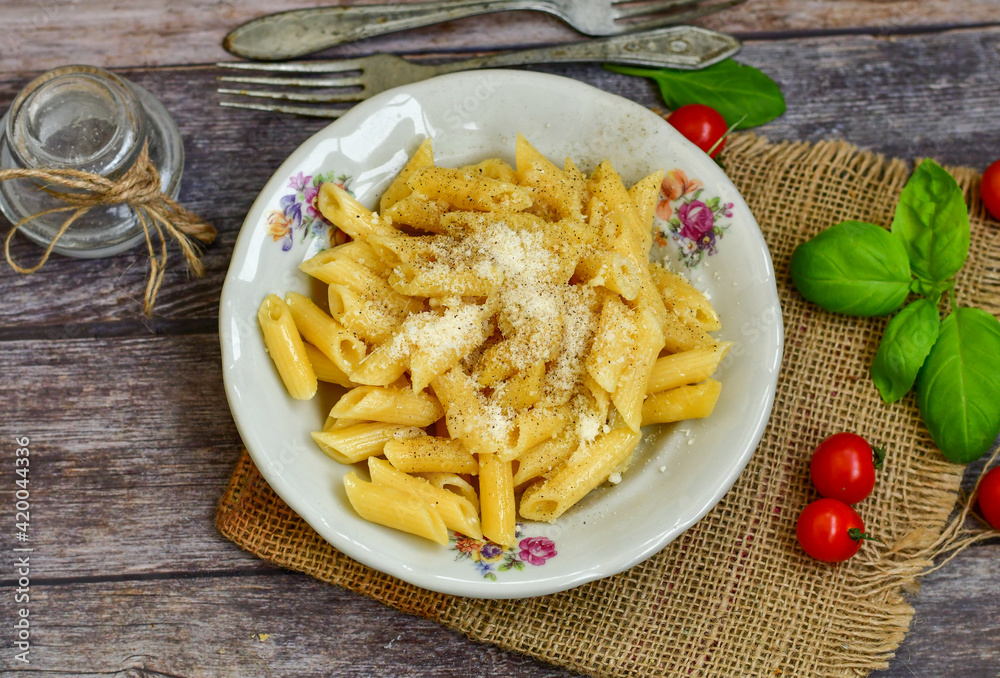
(499, 334)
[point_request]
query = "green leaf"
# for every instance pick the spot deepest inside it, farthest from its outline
(854, 268)
(734, 90)
(908, 339)
(958, 387)
(933, 222)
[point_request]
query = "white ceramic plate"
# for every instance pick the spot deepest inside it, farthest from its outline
(681, 471)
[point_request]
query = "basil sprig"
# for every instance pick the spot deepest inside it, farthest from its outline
(862, 269)
(744, 96)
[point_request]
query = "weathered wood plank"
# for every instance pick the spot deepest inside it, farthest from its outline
(907, 96)
(272, 624)
(43, 34)
(132, 445)
(276, 623)
(154, 452)
(956, 628)
(127, 470)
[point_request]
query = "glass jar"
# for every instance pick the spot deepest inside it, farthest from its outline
(89, 119)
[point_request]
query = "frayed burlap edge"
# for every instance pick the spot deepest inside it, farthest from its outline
(734, 595)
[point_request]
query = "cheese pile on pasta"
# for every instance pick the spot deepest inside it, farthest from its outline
(502, 336)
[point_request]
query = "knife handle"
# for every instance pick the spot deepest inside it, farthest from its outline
(680, 47)
(296, 33)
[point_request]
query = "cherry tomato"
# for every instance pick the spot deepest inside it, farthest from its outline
(843, 467)
(990, 189)
(702, 125)
(830, 530)
(989, 497)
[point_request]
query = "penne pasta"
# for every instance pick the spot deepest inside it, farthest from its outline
(325, 369)
(395, 508)
(430, 454)
(611, 270)
(683, 402)
(284, 345)
(682, 299)
(545, 457)
(496, 499)
(631, 390)
(587, 467)
(469, 190)
(342, 347)
(497, 329)
(687, 367)
(388, 404)
(399, 190)
(494, 168)
(453, 483)
(614, 344)
(560, 193)
(359, 441)
(456, 511)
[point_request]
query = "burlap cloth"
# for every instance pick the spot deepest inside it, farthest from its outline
(734, 595)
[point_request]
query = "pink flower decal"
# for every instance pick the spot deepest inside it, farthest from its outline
(536, 550)
(697, 221)
(299, 214)
(689, 219)
(492, 559)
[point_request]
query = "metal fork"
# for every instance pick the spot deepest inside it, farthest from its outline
(288, 35)
(687, 47)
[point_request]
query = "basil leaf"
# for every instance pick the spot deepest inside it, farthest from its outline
(908, 339)
(734, 90)
(933, 223)
(854, 268)
(958, 387)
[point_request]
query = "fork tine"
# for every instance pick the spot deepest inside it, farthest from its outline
(297, 96)
(643, 23)
(292, 110)
(296, 66)
(634, 9)
(296, 82)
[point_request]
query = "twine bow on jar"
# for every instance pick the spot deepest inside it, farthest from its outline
(139, 188)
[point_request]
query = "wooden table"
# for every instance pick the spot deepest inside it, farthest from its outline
(130, 434)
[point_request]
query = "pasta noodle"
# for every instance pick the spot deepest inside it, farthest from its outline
(502, 337)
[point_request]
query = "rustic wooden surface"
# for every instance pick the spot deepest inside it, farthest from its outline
(131, 437)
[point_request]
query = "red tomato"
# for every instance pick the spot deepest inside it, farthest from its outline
(843, 467)
(701, 125)
(989, 497)
(990, 189)
(830, 530)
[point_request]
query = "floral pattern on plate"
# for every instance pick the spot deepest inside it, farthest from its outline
(298, 213)
(693, 221)
(491, 558)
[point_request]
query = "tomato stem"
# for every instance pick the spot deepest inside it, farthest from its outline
(728, 132)
(857, 535)
(878, 457)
